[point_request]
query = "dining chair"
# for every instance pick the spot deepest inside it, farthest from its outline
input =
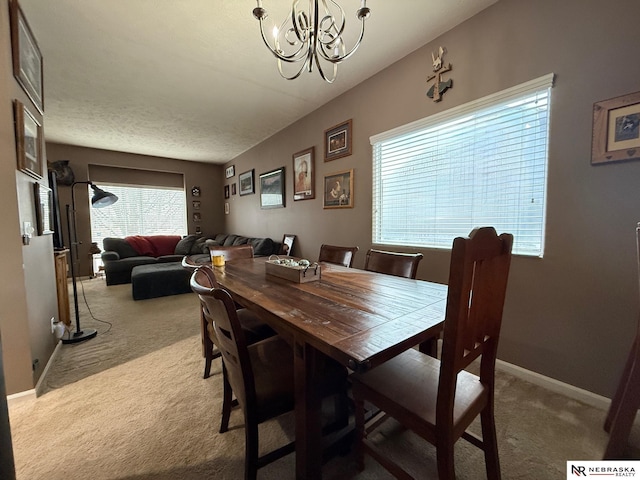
(233, 252)
(393, 263)
(255, 328)
(261, 377)
(438, 399)
(626, 400)
(339, 255)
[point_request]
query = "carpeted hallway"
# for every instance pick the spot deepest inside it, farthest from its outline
(132, 404)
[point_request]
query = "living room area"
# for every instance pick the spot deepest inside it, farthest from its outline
(570, 314)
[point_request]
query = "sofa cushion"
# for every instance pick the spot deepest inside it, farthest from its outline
(184, 245)
(228, 242)
(261, 246)
(240, 240)
(220, 238)
(120, 246)
(199, 246)
(154, 245)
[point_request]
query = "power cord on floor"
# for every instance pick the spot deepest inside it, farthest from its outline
(91, 313)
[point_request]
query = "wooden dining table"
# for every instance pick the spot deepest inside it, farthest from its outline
(356, 317)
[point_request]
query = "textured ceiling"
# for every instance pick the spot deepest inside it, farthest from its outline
(191, 79)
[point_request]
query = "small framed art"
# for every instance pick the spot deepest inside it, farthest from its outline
(616, 129)
(246, 183)
(27, 59)
(338, 190)
(272, 189)
(44, 208)
(196, 204)
(226, 191)
(287, 244)
(195, 191)
(304, 175)
(337, 141)
(28, 141)
(230, 171)
(233, 189)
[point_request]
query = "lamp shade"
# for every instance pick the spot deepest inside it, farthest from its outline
(101, 198)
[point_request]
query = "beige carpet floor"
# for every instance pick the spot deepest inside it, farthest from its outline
(132, 404)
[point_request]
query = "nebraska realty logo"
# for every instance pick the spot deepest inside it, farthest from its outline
(610, 468)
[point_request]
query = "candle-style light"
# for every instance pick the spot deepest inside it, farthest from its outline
(313, 36)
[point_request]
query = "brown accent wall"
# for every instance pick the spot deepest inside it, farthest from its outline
(572, 314)
(84, 160)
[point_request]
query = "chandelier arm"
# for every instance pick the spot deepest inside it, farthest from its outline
(321, 70)
(340, 58)
(292, 58)
(294, 76)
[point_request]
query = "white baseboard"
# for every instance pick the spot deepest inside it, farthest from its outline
(551, 384)
(34, 392)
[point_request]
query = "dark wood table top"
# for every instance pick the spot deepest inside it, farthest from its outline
(356, 317)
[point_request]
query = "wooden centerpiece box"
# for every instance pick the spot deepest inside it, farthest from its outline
(289, 269)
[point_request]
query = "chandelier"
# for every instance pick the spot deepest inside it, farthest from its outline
(315, 36)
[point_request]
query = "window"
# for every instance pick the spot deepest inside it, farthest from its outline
(140, 211)
(483, 163)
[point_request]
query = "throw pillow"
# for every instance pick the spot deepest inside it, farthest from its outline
(163, 244)
(141, 245)
(261, 246)
(184, 245)
(198, 245)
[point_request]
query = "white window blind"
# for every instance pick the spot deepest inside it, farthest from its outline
(140, 210)
(480, 164)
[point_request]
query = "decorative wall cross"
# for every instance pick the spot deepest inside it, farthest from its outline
(439, 87)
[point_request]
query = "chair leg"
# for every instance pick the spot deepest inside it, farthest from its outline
(624, 415)
(360, 432)
(624, 378)
(251, 451)
(227, 402)
(490, 444)
(445, 459)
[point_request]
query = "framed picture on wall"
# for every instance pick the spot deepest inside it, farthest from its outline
(230, 171)
(337, 141)
(272, 189)
(616, 129)
(226, 191)
(304, 175)
(338, 190)
(27, 59)
(233, 189)
(246, 183)
(28, 141)
(44, 208)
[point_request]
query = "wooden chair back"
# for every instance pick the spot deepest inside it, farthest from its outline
(393, 263)
(220, 312)
(235, 252)
(338, 255)
(478, 276)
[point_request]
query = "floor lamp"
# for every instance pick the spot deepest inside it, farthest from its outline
(100, 199)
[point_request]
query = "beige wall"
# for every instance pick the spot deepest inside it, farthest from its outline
(572, 314)
(27, 285)
(207, 176)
